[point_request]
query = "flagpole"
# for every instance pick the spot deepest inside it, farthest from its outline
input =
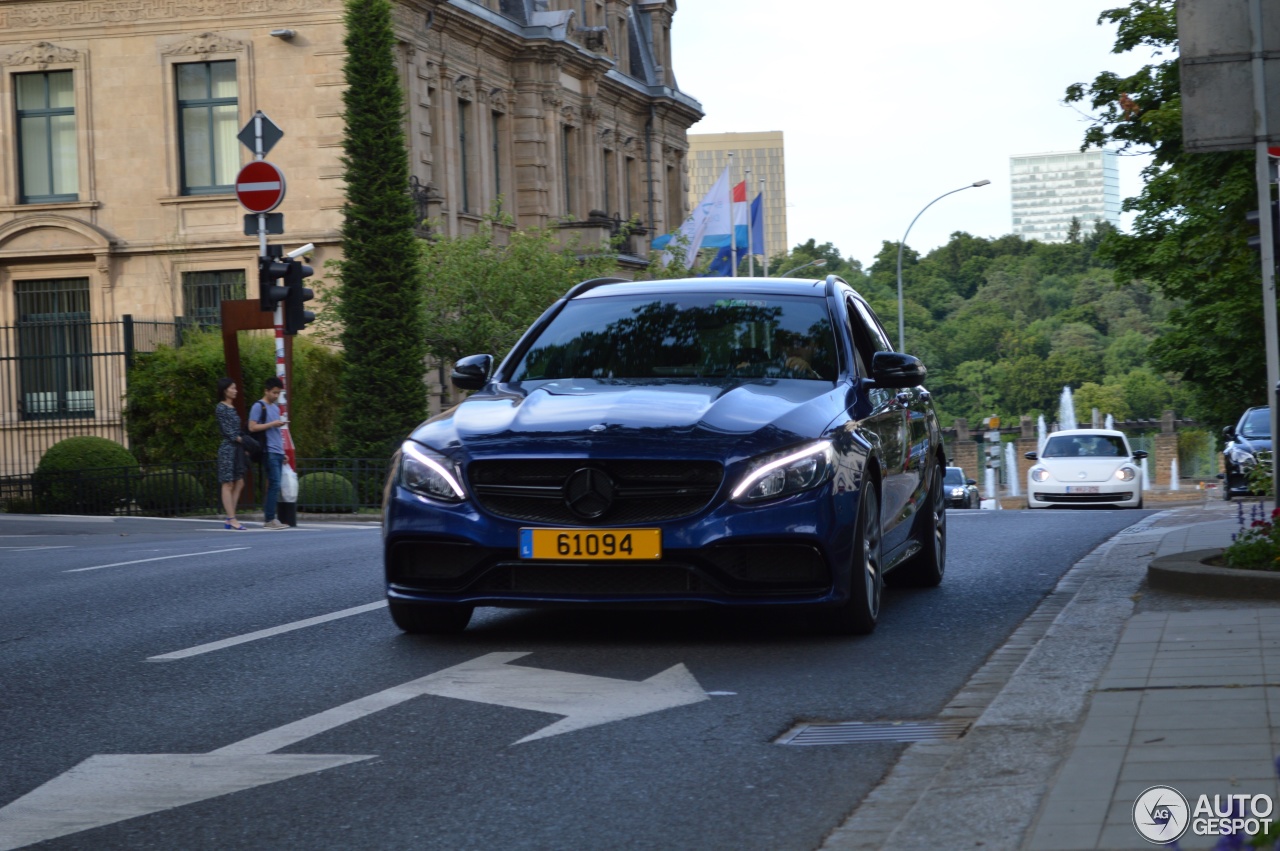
(763, 224)
(733, 225)
(751, 254)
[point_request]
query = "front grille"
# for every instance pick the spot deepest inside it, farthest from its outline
(1084, 497)
(592, 579)
(645, 491)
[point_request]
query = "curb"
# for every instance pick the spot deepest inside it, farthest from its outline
(1186, 573)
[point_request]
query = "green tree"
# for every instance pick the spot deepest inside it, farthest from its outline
(489, 286)
(381, 284)
(1107, 398)
(1189, 235)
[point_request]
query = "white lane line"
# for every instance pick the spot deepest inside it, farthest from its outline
(265, 633)
(157, 558)
(28, 549)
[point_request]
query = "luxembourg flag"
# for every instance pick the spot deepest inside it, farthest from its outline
(712, 215)
(745, 241)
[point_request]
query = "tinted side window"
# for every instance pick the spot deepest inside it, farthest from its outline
(864, 344)
(874, 329)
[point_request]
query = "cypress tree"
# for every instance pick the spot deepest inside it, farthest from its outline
(380, 301)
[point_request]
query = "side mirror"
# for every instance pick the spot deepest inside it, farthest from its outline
(895, 369)
(970, 481)
(1139, 454)
(1229, 432)
(471, 372)
(1031, 456)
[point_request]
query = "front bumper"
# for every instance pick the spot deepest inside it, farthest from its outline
(796, 550)
(1054, 494)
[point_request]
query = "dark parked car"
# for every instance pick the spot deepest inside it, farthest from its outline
(961, 492)
(689, 443)
(1249, 444)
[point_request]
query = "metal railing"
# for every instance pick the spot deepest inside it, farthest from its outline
(325, 485)
(63, 378)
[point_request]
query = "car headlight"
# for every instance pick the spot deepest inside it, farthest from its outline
(957, 492)
(429, 473)
(1039, 474)
(1126, 474)
(786, 473)
(1241, 457)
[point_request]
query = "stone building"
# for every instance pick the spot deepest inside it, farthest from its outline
(118, 123)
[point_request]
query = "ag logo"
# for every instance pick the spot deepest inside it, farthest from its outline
(1160, 814)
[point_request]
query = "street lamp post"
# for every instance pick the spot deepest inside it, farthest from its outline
(904, 242)
(818, 262)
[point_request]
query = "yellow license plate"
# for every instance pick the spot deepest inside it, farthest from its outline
(591, 545)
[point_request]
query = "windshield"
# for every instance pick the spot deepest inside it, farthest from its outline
(1257, 423)
(685, 335)
(1085, 446)
(954, 476)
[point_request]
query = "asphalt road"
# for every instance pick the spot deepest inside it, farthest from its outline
(229, 741)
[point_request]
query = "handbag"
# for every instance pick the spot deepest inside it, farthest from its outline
(251, 446)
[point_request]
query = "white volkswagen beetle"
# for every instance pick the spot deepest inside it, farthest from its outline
(1085, 466)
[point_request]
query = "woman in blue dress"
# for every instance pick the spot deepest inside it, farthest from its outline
(231, 460)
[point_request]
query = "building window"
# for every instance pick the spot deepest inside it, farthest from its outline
(208, 119)
(608, 181)
(47, 137)
(567, 140)
(464, 164)
(204, 292)
(629, 180)
(55, 356)
(495, 130)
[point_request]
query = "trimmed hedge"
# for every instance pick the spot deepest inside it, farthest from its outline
(326, 492)
(85, 475)
(168, 492)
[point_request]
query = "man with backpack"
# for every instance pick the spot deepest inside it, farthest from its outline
(265, 420)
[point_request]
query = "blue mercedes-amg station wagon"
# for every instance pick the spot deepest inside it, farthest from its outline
(700, 442)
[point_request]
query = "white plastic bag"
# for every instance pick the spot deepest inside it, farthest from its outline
(288, 484)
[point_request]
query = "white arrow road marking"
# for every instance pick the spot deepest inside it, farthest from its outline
(105, 789)
(585, 700)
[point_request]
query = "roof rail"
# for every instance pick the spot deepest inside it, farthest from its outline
(579, 289)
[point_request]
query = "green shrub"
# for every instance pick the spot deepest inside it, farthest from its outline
(84, 475)
(169, 409)
(168, 492)
(325, 492)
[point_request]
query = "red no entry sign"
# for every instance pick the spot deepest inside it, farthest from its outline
(260, 186)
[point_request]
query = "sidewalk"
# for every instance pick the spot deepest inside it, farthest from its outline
(1108, 689)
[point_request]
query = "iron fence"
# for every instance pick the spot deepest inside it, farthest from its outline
(63, 376)
(325, 485)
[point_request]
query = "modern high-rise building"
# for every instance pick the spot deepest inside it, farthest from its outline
(1050, 190)
(763, 154)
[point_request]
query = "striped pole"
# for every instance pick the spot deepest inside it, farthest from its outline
(284, 394)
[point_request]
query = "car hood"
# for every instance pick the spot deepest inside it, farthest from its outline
(1252, 444)
(587, 416)
(1076, 470)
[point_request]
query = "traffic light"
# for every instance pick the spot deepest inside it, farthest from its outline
(270, 270)
(295, 318)
(1252, 217)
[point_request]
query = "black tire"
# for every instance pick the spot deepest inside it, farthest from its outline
(858, 615)
(430, 618)
(926, 568)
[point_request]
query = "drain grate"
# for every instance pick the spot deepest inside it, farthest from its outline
(850, 732)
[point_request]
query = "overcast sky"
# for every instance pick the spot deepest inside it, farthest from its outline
(887, 105)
